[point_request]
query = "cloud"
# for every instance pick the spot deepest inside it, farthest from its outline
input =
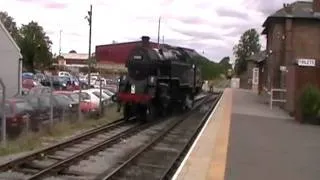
(231, 13)
(55, 5)
(49, 4)
(271, 6)
(204, 25)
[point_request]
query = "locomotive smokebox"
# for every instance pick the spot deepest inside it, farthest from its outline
(145, 41)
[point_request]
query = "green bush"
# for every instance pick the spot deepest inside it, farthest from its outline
(310, 102)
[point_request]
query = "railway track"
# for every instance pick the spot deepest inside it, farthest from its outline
(158, 158)
(56, 160)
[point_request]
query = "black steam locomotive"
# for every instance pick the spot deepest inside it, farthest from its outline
(158, 80)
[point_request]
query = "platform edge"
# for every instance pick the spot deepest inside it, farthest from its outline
(176, 174)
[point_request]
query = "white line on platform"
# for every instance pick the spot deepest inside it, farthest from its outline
(197, 139)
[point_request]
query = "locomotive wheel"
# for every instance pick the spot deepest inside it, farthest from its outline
(150, 113)
(127, 111)
(188, 103)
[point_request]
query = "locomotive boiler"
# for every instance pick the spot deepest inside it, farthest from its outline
(158, 80)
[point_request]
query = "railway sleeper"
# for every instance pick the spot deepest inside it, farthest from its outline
(72, 149)
(63, 154)
(152, 165)
(58, 158)
(77, 173)
(26, 171)
(81, 146)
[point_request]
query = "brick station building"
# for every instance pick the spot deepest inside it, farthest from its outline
(293, 51)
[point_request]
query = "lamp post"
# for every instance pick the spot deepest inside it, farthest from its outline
(89, 18)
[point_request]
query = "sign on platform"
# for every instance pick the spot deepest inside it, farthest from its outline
(307, 62)
(255, 76)
(235, 82)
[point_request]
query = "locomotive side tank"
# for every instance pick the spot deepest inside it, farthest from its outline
(158, 80)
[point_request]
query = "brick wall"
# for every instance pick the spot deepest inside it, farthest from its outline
(306, 39)
(289, 40)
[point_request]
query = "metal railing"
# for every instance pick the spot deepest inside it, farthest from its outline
(273, 99)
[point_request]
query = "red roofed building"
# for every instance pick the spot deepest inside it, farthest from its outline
(114, 56)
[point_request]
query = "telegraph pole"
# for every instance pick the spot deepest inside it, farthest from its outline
(89, 18)
(60, 43)
(159, 32)
(162, 41)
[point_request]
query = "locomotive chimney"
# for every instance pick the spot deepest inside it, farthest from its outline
(145, 41)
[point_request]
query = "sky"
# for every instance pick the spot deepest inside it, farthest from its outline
(210, 27)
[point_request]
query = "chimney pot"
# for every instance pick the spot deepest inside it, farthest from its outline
(288, 8)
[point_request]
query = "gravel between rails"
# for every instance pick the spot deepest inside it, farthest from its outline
(47, 141)
(109, 158)
(154, 161)
(67, 152)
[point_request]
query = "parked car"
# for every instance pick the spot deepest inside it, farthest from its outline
(27, 75)
(57, 82)
(64, 74)
(39, 90)
(17, 112)
(86, 105)
(93, 95)
(30, 83)
(106, 93)
(72, 97)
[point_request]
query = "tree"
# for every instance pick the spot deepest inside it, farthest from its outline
(248, 45)
(73, 51)
(35, 46)
(9, 24)
(209, 69)
(225, 63)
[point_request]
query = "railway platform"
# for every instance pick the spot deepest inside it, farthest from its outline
(245, 140)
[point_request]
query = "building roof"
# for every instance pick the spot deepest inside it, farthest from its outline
(258, 57)
(79, 56)
(3, 29)
(298, 9)
(124, 43)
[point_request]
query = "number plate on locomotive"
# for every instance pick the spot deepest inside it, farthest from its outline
(137, 57)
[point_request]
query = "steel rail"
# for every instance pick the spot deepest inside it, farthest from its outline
(108, 175)
(61, 165)
(47, 150)
(171, 167)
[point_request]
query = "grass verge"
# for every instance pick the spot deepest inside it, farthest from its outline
(31, 141)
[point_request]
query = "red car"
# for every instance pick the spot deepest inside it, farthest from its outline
(17, 113)
(29, 83)
(85, 104)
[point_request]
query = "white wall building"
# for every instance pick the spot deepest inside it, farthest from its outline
(11, 63)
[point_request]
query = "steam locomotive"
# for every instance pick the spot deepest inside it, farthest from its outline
(158, 80)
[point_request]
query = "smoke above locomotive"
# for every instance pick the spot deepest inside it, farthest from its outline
(158, 80)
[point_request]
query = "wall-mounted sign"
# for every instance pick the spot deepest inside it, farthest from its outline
(306, 62)
(283, 68)
(255, 76)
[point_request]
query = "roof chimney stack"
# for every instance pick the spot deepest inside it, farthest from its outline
(145, 41)
(288, 8)
(316, 6)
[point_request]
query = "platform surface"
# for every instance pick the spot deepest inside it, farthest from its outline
(246, 140)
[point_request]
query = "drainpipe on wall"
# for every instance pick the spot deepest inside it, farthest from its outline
(20, 76)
